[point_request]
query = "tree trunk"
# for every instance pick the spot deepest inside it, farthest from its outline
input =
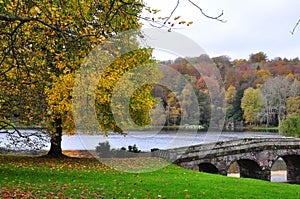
(279, 117)
(55, 142)
(268, 115)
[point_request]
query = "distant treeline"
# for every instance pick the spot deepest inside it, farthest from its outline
(258, 91)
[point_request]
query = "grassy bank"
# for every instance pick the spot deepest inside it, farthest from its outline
(263, 129)
(23, 177)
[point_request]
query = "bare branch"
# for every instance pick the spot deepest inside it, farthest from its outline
(163, 24)
(22, 139)
(171, 14)
(218, 18)
(294, 29)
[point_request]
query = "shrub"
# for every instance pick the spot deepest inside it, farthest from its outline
(133, 149)
(104, 151)
(290, 126)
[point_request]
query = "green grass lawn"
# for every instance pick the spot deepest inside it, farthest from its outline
(264, 129)
(26, 177)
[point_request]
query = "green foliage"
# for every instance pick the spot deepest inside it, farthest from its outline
(251, 105)
(23, 177)
(290, 126)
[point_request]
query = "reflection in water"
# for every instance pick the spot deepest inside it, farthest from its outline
(278, 171)
(278, 176)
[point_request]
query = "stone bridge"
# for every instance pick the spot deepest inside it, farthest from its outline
(255, 157)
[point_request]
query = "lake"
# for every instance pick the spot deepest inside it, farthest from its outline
(147, 140)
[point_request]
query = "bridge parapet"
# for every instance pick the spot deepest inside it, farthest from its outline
(229, 147)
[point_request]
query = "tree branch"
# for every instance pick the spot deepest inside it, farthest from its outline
(34, 140)
(172, 12)
(162, 24)
(295, 27)
(28, 19)
(218, 18)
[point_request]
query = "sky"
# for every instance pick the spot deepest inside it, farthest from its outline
(251, 26)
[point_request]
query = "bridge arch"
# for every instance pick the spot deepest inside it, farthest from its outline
(251, 169)
(208, 167)
(293, 168)
(233, 169)
(278, 170)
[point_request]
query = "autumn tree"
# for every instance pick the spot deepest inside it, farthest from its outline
(262, 75)
(293, 106)
(44, 44)
(258, 57)
(251, 105)
(233, 108)
(231, 94)
(211, 86)
(275, 93)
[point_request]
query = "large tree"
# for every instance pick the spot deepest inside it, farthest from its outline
(275, 93)
(43, 45)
